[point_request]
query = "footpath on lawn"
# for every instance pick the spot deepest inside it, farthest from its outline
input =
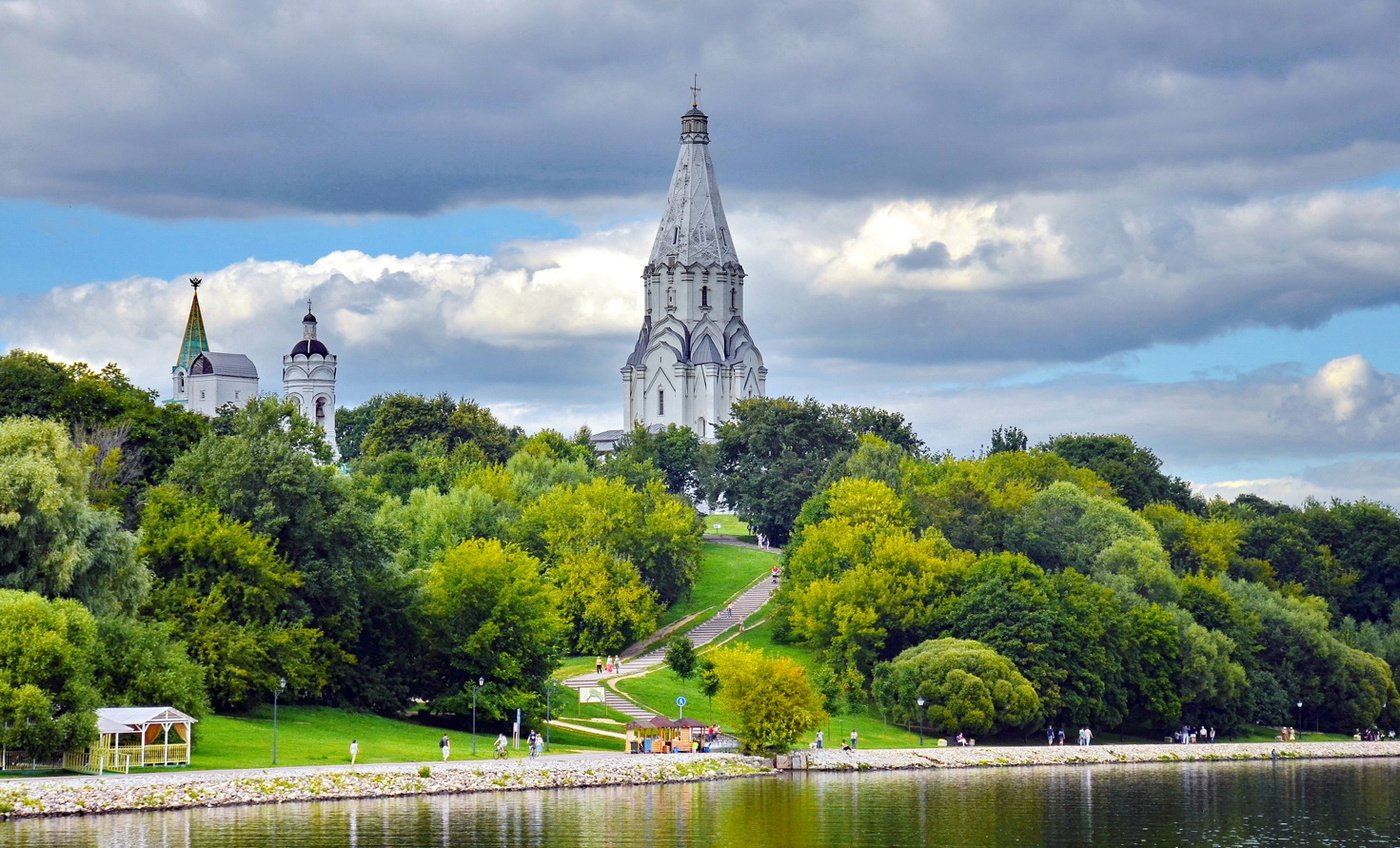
(729, 615)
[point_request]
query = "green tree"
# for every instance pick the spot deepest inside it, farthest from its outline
(46, 690)
(351, 424)
(774, 453)
(133, 439)
(1133, 471)
(602, 600)
(229, 592)
(1065, 527)
(680, 656)
(51, 541)
(487, 614)
(967, 687)
(774, 701)
(1005, 439)
(262, 469)
(652, 529)
(674, 451)
(142, 662)
(403, 420)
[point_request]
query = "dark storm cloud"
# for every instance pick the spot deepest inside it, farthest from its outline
(246, 108)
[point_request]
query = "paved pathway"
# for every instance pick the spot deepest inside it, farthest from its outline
(746, 604)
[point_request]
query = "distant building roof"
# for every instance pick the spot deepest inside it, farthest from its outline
(224, 365)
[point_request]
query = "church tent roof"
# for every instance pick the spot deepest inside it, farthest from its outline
(693, 229)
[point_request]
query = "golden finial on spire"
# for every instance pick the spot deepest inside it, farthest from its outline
(695, 92)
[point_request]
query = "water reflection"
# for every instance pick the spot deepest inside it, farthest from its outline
(1288, 803)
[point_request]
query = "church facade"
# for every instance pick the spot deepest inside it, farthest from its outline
(203, 380)
(694, 356)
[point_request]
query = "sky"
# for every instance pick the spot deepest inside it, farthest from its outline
(1175, 220)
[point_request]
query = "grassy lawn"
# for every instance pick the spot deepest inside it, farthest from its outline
(728, 524)
(725, 571)
(321, 736)
(658, 690)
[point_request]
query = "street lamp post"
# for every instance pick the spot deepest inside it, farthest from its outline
(920, 702)
(281, 684)
(548, 716)
(480, 682)
(1300, 715)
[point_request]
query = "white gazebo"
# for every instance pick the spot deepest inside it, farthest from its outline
(144, 736)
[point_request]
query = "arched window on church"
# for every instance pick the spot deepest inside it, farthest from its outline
(321, 412)
(733, 298)
(660, 401)
(704, 295)
(702, 428)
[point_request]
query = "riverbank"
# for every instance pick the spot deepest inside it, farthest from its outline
(1050, 755)
(89, 795)
(178, 790)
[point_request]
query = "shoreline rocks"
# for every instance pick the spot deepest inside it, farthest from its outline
(1054, 755)
(86, 796)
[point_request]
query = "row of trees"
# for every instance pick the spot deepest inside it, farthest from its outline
(1072, 580)
(950, 579)
(456, 549)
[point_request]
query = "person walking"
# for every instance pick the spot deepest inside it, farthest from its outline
(819, 740)
(446, 745)
(853, 739)
(354, 750)
(598, 665)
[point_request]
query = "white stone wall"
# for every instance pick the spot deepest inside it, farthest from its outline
(208, 392)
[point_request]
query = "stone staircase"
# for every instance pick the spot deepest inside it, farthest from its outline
(747, 603)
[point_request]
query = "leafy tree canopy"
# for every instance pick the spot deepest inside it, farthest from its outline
(772, 697)
(966, 687)
(1134, 472)
(46, 688)
(51, 541)
(490, 616)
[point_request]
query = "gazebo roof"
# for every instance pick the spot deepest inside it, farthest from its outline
(129, 719)
(661, 722)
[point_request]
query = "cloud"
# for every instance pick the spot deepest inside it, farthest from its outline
(1373, 480)
(1062, 277)
(414, 106)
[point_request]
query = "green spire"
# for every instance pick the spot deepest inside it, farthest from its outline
(194, 342)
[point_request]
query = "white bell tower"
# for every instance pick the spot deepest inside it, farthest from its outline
(308, 378)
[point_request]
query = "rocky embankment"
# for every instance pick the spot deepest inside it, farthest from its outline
(77, 796)
(1048, 755)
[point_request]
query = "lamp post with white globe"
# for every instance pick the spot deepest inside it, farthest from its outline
(480, 682)
(920, 702)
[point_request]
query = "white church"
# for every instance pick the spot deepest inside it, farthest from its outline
(204, 381)
(694, 356)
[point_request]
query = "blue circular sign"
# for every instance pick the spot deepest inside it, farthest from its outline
(680, 700)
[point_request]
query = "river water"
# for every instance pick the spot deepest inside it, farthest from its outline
(1209, 804)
